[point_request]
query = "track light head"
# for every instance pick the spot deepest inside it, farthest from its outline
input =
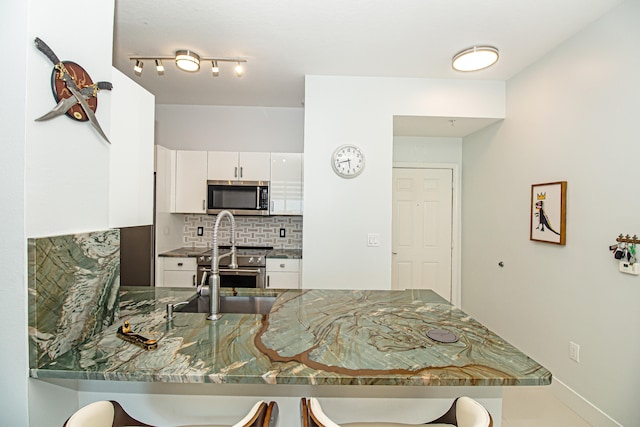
(239, 70)
(138, 67)
(215, 70)
(159, 67)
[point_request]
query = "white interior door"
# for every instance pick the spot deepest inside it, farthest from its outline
(422, 227)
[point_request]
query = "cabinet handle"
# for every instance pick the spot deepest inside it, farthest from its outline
(268, 281)
(194, 280)
(235, 172)
(281, 265)
(240, 171)
(204, 206)
(179, 264)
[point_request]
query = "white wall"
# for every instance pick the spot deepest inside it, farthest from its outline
(209, 127)
(13, 316)
(421, 149)
(131, 153)
(572, 116)
(67, 183)
(340, 213)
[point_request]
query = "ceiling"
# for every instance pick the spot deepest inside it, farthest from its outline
(285, 40)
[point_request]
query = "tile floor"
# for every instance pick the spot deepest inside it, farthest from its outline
(536, 407)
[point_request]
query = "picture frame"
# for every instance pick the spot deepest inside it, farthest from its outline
(548, 213)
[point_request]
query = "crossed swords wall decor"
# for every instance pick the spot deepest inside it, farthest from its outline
(73, 90)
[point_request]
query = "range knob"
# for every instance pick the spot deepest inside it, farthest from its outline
(208, 259)
(251, 260)
(259, 260)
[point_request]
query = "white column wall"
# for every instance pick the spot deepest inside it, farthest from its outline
(67, 179)
(14, 358)
(571, 116)
(340, 213)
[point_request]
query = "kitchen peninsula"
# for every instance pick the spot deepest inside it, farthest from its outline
(331, 343)
(319, 337)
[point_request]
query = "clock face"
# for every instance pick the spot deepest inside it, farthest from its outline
(347, 161)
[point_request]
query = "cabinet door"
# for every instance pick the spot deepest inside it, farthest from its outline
(283, 273)
(191, 181)
(178, 272)
(223, 166)
(283, 280)
(286, 184)
(254, 166)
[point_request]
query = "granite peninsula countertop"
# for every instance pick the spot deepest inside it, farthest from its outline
(332, 337)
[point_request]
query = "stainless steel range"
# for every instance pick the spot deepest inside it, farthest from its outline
(251, 271)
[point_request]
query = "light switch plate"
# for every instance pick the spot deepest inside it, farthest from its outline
(373, 239)
(627, 267)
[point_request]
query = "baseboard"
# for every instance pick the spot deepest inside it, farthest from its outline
(581, 406)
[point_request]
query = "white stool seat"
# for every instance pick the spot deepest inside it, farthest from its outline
(464, 412)
(109, 413)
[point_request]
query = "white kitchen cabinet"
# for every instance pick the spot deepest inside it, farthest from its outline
(286, 184)
(283, 273)
(178, 272)
(191, 182)
(238, 166)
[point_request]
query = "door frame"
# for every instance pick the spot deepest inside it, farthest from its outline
(456, 222)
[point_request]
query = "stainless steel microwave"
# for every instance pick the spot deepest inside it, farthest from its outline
(238, 197)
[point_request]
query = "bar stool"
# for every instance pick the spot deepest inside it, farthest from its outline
(464, 412)
(109, 413)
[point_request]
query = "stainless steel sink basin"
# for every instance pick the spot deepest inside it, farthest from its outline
(231, 304)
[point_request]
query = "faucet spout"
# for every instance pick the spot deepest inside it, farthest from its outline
(214, 279)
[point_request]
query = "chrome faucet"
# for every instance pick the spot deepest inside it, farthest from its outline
(214, 279)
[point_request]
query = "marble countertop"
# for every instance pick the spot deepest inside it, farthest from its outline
(331, 337)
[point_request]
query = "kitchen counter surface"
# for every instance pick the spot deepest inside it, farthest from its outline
(285, 254)
(330, 337)
(187, 251)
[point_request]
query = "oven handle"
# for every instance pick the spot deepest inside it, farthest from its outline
(240, 270)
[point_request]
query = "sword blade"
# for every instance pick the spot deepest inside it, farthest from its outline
(61, 108)
(87, 110)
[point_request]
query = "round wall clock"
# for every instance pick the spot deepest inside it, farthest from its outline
(347, 161)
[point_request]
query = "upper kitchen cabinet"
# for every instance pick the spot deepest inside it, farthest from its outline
(191, 182)
(286, 184)
(235, 166)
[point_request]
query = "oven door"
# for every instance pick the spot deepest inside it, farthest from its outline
(242, 278)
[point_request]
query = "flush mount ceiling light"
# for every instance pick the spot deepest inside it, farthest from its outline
(187, 60)
(475, 58)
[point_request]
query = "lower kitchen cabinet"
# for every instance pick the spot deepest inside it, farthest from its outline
(177, 272)
(283, 273)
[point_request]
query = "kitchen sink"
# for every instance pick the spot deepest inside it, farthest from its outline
(230, 304)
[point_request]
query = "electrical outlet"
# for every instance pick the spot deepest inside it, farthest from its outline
(574, 352)
(283, 232)
(200, 231)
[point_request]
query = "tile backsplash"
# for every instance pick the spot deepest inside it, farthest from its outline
(250, 231)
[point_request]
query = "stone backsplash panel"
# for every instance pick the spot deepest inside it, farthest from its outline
(250, 231)
(74, 282)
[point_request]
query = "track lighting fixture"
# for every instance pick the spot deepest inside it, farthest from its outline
(189, 61)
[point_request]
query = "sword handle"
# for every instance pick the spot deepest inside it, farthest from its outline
(42, 47)
(104, 85)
